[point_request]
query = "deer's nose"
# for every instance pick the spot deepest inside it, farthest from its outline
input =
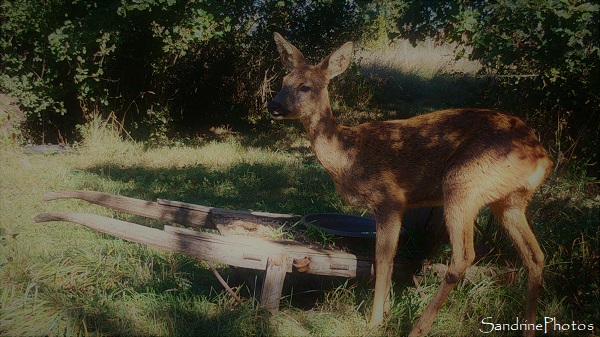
(273, 107)
(277, 110)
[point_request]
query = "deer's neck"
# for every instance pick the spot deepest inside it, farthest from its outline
(327, 141)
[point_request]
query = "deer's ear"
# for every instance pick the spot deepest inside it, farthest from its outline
(291, 57)
(338, 61)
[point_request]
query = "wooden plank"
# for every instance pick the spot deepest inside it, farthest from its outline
(322, 261)
(235, 213)
(153, 210)
(273, 284)
(239, 251)
(212, 247)
(192, 215)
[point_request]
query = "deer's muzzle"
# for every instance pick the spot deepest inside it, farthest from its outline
(277, 110)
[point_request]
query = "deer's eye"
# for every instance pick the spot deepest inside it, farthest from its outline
(304, 88)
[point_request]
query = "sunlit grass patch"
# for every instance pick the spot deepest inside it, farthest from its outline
(404, 80)
(426, 59)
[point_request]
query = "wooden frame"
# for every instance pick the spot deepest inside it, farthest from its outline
(276, 257)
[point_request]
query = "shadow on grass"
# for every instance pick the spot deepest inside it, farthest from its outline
(405, 94)
(281, 188)
(181, 316)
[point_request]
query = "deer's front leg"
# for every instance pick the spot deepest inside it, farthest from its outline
(389, 223)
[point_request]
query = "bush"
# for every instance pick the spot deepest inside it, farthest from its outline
(11, 118)
(156, 64)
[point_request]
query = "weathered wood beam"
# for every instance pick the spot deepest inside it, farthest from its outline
(239, 251)
(262, 216)
(273, 284)
(171, 211)
(153, 210)
(322, 261)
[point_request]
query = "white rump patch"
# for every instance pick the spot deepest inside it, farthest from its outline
(535, 179)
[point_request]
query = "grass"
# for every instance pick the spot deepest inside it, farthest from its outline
(62, 279)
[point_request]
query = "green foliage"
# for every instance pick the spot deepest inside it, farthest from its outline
(11, 118)
(163, 65)
(184, 62)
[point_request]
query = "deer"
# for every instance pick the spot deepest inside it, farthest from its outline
(461, 159)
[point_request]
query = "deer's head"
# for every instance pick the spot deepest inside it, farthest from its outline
(304, 90)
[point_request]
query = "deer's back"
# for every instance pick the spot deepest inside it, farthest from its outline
(415, 157)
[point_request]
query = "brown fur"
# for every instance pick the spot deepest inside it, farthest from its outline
(463, 159)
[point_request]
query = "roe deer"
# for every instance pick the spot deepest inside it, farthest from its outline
(463, 159)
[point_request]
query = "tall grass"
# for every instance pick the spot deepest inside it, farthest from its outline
(425, 60)
(62, 279)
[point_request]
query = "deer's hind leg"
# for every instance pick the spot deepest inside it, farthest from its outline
(511, 214)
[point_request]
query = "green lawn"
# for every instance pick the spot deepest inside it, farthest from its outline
(60, 278)
(63, 279)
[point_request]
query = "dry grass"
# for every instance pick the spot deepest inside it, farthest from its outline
(426, 59)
